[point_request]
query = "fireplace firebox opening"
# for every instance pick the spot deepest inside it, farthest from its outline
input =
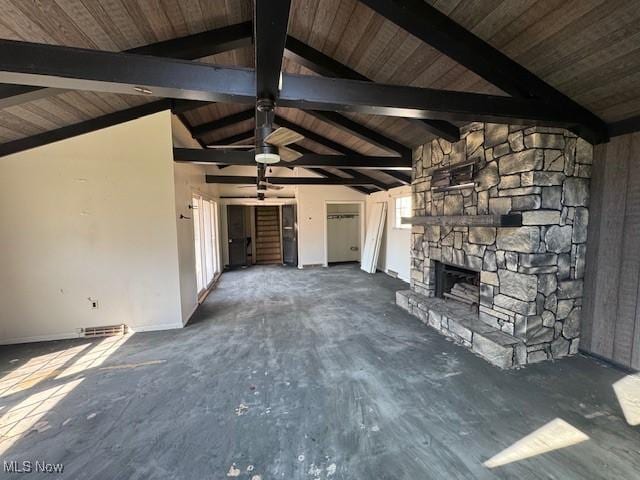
(457, 283)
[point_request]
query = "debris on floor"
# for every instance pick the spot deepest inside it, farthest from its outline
(233, 471)
(241, 409)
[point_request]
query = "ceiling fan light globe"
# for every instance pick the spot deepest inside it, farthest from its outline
(267, 158)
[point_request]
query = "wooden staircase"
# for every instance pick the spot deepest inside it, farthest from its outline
(268, 249)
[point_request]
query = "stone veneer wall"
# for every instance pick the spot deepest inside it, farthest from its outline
(531, 276)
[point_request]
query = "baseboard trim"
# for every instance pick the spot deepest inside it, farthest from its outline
(608, 361)
(40, 338)
(155, 328)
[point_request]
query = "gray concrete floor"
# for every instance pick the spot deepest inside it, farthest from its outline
(311, 374)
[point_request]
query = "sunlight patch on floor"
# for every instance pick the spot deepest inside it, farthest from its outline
(36, 370)
(26, 415)
(628, 392)
(96, 356)
(554, 435)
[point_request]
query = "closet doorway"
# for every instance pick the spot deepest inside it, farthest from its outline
(344, 232)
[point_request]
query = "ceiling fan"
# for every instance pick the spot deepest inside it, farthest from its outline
(279, 138)
(263, 186)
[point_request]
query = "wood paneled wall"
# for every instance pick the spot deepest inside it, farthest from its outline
(611, 320)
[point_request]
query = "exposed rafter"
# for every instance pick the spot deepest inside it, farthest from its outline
(242, 180)
(190, 47)
(206, 128)
(271, 18)
(239, 137)
(315, 137)
(364, 133)
(322, 64)
(400, 176)
(327, 174)
(438, 30)
(319, 93)
(623, 127)
(235, 157)
(201, 45)
(377, 183)
(87, 126)
(73, 68)
(11, 95)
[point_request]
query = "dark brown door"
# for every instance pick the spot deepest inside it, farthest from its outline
(237, 233)
(290, 234)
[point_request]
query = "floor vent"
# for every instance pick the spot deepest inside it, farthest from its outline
(105, 331)
(391, 273)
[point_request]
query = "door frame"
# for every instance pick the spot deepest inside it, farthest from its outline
(362, 204)
(215, 230)
(249, 202)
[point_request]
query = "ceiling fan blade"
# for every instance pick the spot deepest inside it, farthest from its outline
(288, 154)
(283, 136)
(270, 186)
(229, 146)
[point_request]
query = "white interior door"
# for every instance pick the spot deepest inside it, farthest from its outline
(373, 237)
(205, 236)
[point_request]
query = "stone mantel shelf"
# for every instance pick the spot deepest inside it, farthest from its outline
(511, 220)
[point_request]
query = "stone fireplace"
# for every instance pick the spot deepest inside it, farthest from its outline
(509, 203)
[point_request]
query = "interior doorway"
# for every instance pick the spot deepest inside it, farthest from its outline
(206, 246)
(343, 232)
(268, 235)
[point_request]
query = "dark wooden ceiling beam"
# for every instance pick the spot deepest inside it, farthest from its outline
(11, 95)
(245, 180)
(315, 137)
(240, 137)
(206, 128)
(319, 139)
(201, 45)
(376, 182)
(438, 30)
(623, 127)
(94, 124)
(320, 93)
(271, 18)
(367, 134)
(73, 68)
(400, 176)
(190, 47)
(318, 62)
(327, 174)
(241, 158)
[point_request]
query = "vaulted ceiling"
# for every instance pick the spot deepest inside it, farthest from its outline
(587, 49)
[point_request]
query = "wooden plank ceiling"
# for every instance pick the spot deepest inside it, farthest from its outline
(587, 49)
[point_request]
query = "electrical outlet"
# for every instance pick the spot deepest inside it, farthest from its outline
(93, 303)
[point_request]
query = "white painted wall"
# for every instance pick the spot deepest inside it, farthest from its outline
(395, 250)
(312, 200)
(92, 216)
